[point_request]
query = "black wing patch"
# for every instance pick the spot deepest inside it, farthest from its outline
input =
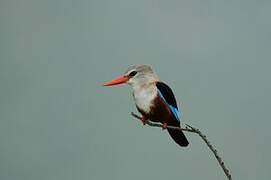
(167, 94)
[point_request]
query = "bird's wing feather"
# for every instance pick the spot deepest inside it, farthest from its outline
(168, 97)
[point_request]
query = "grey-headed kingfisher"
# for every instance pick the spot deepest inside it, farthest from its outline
(154, 99)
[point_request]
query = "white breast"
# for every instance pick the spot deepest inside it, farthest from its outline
(144, 97)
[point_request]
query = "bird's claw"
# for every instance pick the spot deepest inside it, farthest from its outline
(164, 126)
(143, 120)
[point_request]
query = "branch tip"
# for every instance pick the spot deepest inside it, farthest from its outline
(191, 129)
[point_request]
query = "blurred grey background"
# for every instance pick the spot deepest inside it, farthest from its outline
(57, 122)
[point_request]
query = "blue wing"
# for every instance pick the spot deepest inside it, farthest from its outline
(168, 97)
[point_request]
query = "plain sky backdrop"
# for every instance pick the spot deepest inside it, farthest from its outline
(58, 123)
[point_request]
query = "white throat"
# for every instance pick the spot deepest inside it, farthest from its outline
(144, 96)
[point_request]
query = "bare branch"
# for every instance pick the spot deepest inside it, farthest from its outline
(191, 129)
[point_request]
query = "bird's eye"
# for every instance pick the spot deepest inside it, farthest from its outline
(133, 73)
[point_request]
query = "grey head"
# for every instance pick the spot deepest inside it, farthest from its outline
(140, 75)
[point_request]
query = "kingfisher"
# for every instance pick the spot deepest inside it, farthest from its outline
(153, 99)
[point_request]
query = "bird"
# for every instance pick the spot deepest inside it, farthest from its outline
(153, 98)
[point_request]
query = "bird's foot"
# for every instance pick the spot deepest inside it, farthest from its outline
(164, 126)
(143, 120)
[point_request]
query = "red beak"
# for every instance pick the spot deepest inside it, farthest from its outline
(118, 80)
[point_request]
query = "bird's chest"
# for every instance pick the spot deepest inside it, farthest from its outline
(144, 98)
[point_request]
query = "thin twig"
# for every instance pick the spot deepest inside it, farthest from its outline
(191, 129)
